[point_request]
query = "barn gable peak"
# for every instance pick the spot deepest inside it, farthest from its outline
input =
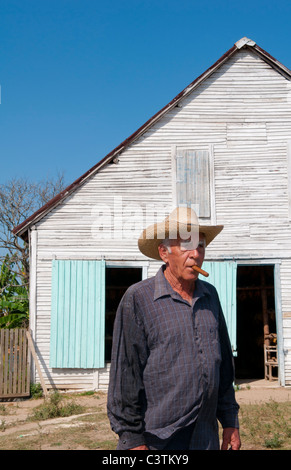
(244, 42)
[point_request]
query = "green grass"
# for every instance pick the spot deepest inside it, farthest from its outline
(266, 426)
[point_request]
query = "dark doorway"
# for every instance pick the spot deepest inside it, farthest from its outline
(117, 282)
(256, 322)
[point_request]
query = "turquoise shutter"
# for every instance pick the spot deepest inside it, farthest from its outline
(77, 314)
(193, 180)
(222, 275)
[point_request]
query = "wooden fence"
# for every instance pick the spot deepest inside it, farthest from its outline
(14, 363)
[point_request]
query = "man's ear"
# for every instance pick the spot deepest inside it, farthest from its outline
(163, 252)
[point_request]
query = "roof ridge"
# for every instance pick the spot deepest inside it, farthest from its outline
(244, 42)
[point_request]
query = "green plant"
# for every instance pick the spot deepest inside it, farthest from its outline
(54, 407)
(14, 304)
(3, 410)
(274, 442)
(2, 426)
(36, 391)
(88, 393)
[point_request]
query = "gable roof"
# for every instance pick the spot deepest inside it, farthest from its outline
(22, 229)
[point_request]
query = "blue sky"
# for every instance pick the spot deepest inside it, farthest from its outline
(79, 76)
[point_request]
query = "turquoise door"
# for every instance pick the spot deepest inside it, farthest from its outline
(222, 275)
(77, 314)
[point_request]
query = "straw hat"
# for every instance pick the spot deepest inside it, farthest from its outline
(182, 222)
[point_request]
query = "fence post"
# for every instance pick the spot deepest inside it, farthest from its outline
(34, 355)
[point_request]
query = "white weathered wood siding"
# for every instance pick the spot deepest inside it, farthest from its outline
(242, 116)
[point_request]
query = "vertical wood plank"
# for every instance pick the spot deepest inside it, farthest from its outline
(33, 352)
(26, 360)
(20, 361)
(15, 361)
(6, 357)
(10, 361)
(22, 377)
(2, 356)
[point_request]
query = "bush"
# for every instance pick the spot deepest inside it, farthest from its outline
(54, 407)
(274, 442)
(36, 391)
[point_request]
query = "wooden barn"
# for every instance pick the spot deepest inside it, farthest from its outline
(223, 145)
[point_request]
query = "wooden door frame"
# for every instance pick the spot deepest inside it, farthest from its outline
(276, 263)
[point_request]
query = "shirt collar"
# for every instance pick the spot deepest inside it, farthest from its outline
(163, 287)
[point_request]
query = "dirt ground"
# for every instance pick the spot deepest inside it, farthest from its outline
(261, 391)
(13, 422)
(18, 412)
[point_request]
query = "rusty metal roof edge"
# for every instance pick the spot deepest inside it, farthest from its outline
(272, 61)
(44, 210)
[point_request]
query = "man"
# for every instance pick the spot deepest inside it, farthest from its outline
(171, 373)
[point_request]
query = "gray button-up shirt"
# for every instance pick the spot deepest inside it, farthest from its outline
(171, 366)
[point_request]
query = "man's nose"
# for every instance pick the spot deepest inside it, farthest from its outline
(194, 253)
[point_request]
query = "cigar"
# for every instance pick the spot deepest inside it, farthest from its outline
(201, 271)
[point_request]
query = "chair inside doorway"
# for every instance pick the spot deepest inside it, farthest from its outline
(257, 356)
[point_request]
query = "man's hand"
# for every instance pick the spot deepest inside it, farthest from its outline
(230, 437)
(140, 448)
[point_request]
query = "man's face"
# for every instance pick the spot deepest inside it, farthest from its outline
(182, 257)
